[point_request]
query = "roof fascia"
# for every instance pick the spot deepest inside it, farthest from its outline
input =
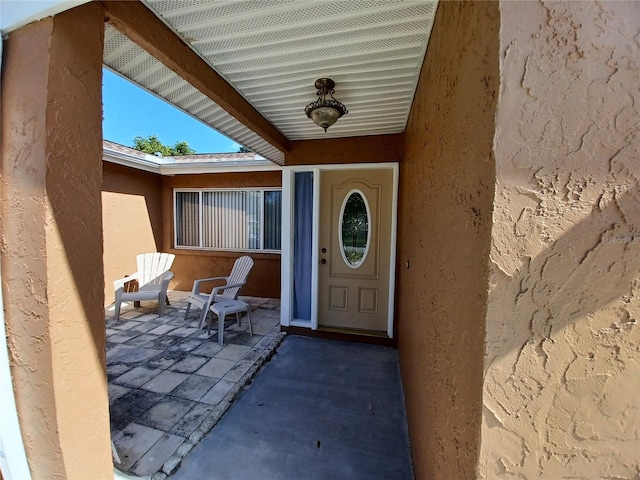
(186, 169)
(120, 158)
(158, 166)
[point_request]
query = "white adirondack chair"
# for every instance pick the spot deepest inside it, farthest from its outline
(153, 277)
(229, 291)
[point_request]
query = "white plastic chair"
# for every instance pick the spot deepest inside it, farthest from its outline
(153, 277)
(229, 291)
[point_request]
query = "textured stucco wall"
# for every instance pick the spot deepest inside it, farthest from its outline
(366, 149)
(131, 219)
(52, 275)
(189, 265)
(446, 191)
(562, 369)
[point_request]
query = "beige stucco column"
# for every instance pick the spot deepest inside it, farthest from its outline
(561, 391)
(532, 265)
(51, 233)
(447, 177)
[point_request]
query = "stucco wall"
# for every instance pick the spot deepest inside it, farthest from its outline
(51, 229)
(366, 149)
(131, 219)
(562, 368)
(447, 178)
(189, 265)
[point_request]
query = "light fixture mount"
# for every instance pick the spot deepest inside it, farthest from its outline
(325, 112)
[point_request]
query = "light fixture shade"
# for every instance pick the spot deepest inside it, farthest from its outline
(325, 116)
(323, 112)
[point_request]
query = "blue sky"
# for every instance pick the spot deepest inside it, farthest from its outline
(130, 111)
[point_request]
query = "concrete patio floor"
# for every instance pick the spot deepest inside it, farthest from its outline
(319, 410)
(170, 383)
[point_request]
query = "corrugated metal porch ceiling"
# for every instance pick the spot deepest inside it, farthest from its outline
(272, 51)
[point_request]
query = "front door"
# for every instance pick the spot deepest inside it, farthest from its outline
(356, 209)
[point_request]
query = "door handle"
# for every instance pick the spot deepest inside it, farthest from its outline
(323, 261)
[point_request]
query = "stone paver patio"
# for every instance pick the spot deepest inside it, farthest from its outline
(169, 382)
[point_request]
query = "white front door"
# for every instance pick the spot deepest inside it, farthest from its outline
(338, 248)
(355, 237)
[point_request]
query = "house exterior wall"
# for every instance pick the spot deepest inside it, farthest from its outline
(446, 191)
(562, 368)
(52, 275)
(365, 149)
(131, 219)
(189, 265)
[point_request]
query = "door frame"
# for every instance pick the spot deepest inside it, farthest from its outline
(286, 294)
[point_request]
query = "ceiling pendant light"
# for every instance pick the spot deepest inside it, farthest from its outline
(324, 112)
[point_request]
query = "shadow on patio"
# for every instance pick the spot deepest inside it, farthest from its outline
(320, 409)
(169, 383)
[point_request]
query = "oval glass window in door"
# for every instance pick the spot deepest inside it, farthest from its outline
(354, 229)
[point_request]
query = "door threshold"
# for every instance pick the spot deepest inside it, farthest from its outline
(345, 334)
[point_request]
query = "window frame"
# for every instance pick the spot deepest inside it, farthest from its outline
(201, 192)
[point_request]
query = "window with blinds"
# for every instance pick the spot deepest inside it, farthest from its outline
(228, 219)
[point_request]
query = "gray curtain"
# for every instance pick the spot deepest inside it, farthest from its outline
(272, 220)
(302, 236)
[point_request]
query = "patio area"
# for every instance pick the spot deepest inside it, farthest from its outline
(320, 409)
(170, 382)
